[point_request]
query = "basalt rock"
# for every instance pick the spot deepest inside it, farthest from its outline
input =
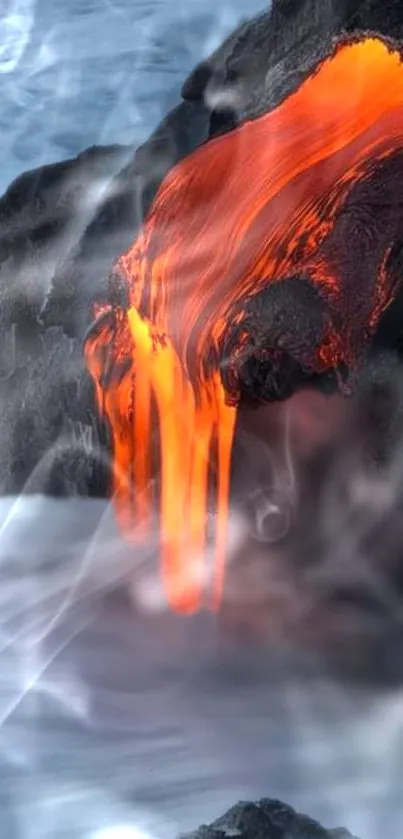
(265, 819)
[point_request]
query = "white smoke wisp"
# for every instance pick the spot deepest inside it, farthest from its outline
(121, 831)
(74, 811)
(274, 507)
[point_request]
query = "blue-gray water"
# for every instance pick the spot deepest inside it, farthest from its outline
(78, 72)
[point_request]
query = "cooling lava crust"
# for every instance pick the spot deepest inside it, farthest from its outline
(266, 258)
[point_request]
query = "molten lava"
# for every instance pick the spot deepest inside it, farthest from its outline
(265, 202)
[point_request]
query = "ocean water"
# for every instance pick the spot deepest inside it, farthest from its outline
(78, 72)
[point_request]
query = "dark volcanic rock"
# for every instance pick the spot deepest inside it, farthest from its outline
(264, 60)
(63, 226)
(266, 819)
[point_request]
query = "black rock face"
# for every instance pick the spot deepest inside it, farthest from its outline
(265, 819)
(285, 323)
(267, 58)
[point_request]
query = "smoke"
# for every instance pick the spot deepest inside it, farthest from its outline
(117, 715)
(273, 505)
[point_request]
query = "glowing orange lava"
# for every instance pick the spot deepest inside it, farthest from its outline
(226, 221)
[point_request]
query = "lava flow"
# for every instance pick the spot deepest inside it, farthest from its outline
(277, 198)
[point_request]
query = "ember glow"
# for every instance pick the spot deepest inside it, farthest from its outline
(244, 212)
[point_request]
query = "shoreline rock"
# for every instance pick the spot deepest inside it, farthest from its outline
(265, 819)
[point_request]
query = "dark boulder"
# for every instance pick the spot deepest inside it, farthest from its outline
(265, 819)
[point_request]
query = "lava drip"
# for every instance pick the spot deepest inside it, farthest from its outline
(244, 212)
(191, 426)
(188, 426)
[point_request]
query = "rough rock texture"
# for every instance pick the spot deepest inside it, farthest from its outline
(266, 59)
(63, 226)
(265, 819)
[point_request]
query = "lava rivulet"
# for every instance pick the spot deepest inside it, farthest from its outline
(266, 201)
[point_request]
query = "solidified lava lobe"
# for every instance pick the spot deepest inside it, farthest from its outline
(268, 244)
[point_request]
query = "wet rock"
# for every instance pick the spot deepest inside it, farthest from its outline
(265, 819)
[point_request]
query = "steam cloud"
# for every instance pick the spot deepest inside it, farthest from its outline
(91, 660)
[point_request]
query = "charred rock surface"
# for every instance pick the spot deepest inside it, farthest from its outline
(63, 226)
(266, 59)
(265, 819)
(284, 324)
(287, 322)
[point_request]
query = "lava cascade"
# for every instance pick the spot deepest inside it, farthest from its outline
(227, 220)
